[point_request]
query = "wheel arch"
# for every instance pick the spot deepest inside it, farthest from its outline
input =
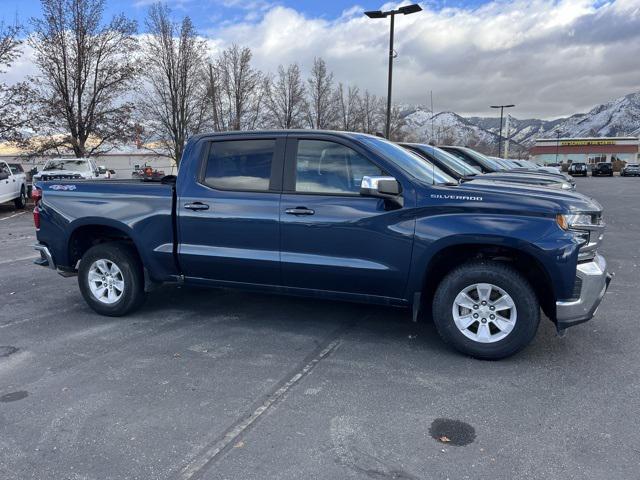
(445, 259)
(89, 233)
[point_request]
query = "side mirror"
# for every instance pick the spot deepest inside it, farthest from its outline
(387, 188)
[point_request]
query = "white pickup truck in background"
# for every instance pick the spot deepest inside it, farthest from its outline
(13, 184)
(68, 169)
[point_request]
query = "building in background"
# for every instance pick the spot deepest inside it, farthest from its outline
(586, 150)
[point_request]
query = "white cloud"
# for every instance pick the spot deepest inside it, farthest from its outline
(551, 58)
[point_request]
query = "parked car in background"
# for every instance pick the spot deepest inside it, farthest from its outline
(631, 170)
(68, 169)
(602, 169)
(534, 166)
(104, 172)
(578, 168)
(494, 170)
(523, 166)
(448, 163)
(13, 184)
(334, 215)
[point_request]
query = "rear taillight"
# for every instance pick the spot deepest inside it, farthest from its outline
(36, 217)
(36, 195)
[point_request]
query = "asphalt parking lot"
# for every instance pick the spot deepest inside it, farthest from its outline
(225, 385)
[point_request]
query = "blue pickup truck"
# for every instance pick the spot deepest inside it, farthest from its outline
(334, 215)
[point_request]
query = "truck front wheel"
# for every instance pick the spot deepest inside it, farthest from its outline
(21, 201)
(486, 309)
(111, 279)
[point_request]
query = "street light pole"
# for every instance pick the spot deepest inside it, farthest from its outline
(406, 10)
(501, 107)
(387, 127)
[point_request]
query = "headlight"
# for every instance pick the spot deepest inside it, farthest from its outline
(586, 228)
(575, 220)
(566, 186)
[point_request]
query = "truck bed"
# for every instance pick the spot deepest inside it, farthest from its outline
(141, 210)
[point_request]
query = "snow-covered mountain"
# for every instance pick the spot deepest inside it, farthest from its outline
(619, 117)
(445, 127)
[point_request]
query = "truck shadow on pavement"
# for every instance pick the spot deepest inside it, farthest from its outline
(283, 314)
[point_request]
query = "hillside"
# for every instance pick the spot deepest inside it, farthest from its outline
(619, 117)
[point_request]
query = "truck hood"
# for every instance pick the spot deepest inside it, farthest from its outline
(515, 198)
(524, 177)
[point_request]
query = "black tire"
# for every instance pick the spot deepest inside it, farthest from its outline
(21, 201)
(502, 276)
(126, 259)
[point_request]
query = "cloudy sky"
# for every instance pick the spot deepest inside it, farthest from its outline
(550, 58)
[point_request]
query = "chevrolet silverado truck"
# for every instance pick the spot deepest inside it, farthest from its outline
(334, 215)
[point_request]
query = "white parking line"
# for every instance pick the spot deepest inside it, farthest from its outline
(208, 455)
(11, 216)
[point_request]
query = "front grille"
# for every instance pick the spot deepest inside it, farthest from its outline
(595, 233)
(60, 177)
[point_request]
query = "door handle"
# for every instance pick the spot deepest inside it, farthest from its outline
(196, 206)
(299, 211)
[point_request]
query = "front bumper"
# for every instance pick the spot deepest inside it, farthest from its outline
(595, 281)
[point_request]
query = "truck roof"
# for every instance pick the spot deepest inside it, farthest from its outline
(299, 131)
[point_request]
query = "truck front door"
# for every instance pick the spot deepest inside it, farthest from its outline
(228, 211)
(8, 184)
(332, 238)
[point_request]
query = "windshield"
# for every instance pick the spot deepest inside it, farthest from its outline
(63, 164)
(407, 161)
(531, 164)
(476, 158)
(15, 168)
(501, 162)
(451, 161)
(634, 165)
(510, 163)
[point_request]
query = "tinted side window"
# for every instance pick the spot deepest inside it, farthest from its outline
(240, 165)
(328, 167)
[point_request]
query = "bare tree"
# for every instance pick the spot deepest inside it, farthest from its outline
(13, 98)
(236, 90)
(85, 69)
(397, 124)
(173, 104)
(349, 108)
(372, 122)
(321, 111)
(286, 98)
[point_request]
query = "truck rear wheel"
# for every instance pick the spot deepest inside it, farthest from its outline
(486, 310)
(111, 279)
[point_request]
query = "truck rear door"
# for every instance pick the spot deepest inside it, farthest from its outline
(228, 210)
(332, 238)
